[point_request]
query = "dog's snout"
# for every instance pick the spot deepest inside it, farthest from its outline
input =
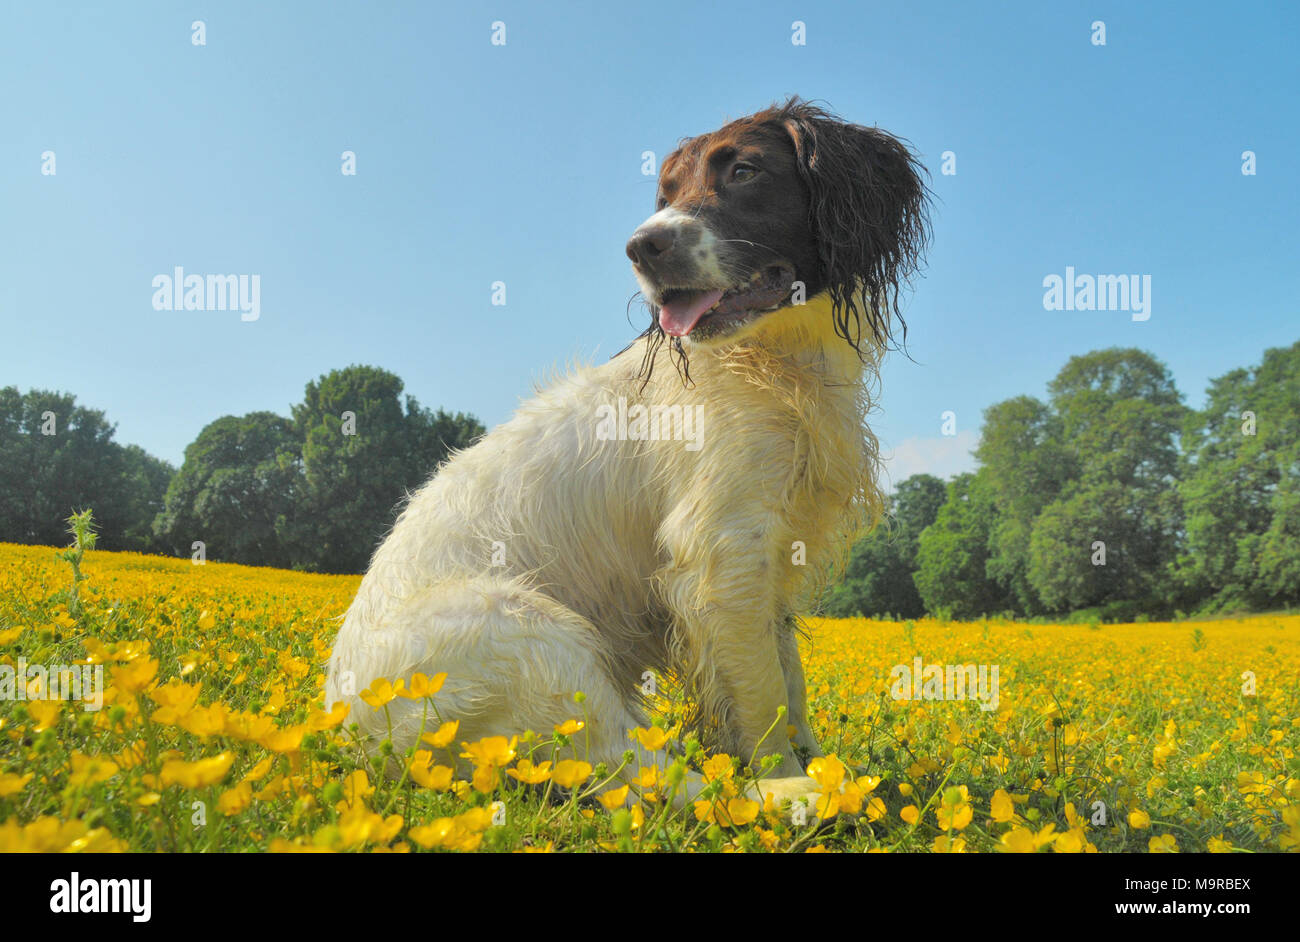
(649, 243)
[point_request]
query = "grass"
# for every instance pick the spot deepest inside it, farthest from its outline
(212, 737)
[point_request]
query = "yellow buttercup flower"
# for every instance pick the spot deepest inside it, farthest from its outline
(379, 692)
(258, 771)
(1001, 808)
(491, 750)
(737, 812)
(444, 735)
(318, 721)
(205, 721)
(652, 739)
(827, 772)
(357, 788)
(12, 783)
(175, 699)
(1163, 844)
(571, 772)
(357, 826)
(485, 778)
(530, 774)
(1138, 819)
(569, 727)
(44, 713)
(614, 799)
(1251, 783)
(717, 767)
(463, 832)
(135, 676)
(48, 835)
(955, 811)
(433, 834)
(423, 772)
(422, 686)
(235, 800)
(90, 770)
(284, 740)
(1021, 840)
(1071, 842)
(198, 774)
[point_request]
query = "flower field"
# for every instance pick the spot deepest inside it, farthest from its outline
(210, 736)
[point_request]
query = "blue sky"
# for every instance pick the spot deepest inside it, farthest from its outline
(522, 163)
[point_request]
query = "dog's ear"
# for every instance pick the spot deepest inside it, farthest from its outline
(870, 215)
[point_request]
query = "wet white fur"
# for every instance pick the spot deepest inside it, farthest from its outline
(681, 560)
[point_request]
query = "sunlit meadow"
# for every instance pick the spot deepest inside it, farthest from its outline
(212, 736)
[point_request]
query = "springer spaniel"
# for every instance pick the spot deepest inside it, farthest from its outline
(568, 551)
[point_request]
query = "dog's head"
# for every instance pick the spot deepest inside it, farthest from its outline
(776, 208)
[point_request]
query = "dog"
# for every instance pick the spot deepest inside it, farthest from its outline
(594, 537)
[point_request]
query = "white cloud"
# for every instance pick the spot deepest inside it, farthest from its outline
(943, 457)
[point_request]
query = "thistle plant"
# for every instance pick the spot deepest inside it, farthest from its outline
(81, 529)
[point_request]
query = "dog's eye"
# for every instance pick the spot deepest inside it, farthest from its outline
(742, 172)
(661, 203)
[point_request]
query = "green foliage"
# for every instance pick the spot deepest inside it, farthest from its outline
(953, 552)
(1242, 490)
(315, 491)
(878, 578)
(355, 472)
(81, 527)
(1025, 467)
(236, 491)
(59, 456)
(1095, 465)
(1213, 528)
(1100, 462)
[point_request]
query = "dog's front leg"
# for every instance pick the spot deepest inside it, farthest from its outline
(805, 743)
(726, 610)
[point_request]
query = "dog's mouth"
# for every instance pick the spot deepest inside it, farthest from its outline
(684, 310)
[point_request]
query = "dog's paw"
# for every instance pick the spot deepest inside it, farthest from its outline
(800, 792)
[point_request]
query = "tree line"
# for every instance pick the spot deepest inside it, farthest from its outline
(1107, 497)
(1110, 497)
(315, 490)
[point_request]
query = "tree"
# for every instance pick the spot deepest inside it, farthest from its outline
(60, 458)
(1026, 466)
(1241, 486)
(953, 552)
(235, 492)
(143, 489)
(878, 579)
(1119, 413)
(363, 449)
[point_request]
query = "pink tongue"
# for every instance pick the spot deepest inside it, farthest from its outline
(679, 316)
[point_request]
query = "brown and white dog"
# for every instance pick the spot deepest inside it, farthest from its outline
(673, 519)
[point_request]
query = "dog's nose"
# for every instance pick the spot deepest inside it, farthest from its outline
(646, 245)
